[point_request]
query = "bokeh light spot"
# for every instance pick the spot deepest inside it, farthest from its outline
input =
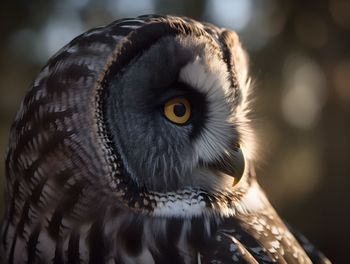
(305, 92)
(130, 8)
(234, 14)
(339, 10)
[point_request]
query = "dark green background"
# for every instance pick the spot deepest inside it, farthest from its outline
(300, 62)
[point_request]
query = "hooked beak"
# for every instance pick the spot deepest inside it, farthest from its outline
(231, 163)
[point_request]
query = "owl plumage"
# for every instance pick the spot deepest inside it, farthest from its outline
(97, 172)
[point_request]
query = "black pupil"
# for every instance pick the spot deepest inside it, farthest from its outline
(179, 110)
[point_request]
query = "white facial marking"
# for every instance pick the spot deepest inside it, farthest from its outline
(210, 77)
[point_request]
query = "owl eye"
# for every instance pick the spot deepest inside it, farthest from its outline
(177, 110)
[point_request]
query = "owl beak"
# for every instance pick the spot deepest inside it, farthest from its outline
(231, 163)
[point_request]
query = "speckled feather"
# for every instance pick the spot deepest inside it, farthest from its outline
(68, 199)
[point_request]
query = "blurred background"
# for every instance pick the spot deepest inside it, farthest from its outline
(300, 62)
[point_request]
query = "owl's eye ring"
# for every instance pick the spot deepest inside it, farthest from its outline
(177, 110)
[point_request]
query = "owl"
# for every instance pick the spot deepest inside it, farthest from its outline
(134, 145)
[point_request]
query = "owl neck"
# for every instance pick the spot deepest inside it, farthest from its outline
(188, 202)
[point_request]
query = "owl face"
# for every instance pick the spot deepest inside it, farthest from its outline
(140, 113)
(126, 149)
(172, 115)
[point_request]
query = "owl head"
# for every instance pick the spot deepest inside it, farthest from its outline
(142, 110)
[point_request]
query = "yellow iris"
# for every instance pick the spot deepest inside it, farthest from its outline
(178, 110)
